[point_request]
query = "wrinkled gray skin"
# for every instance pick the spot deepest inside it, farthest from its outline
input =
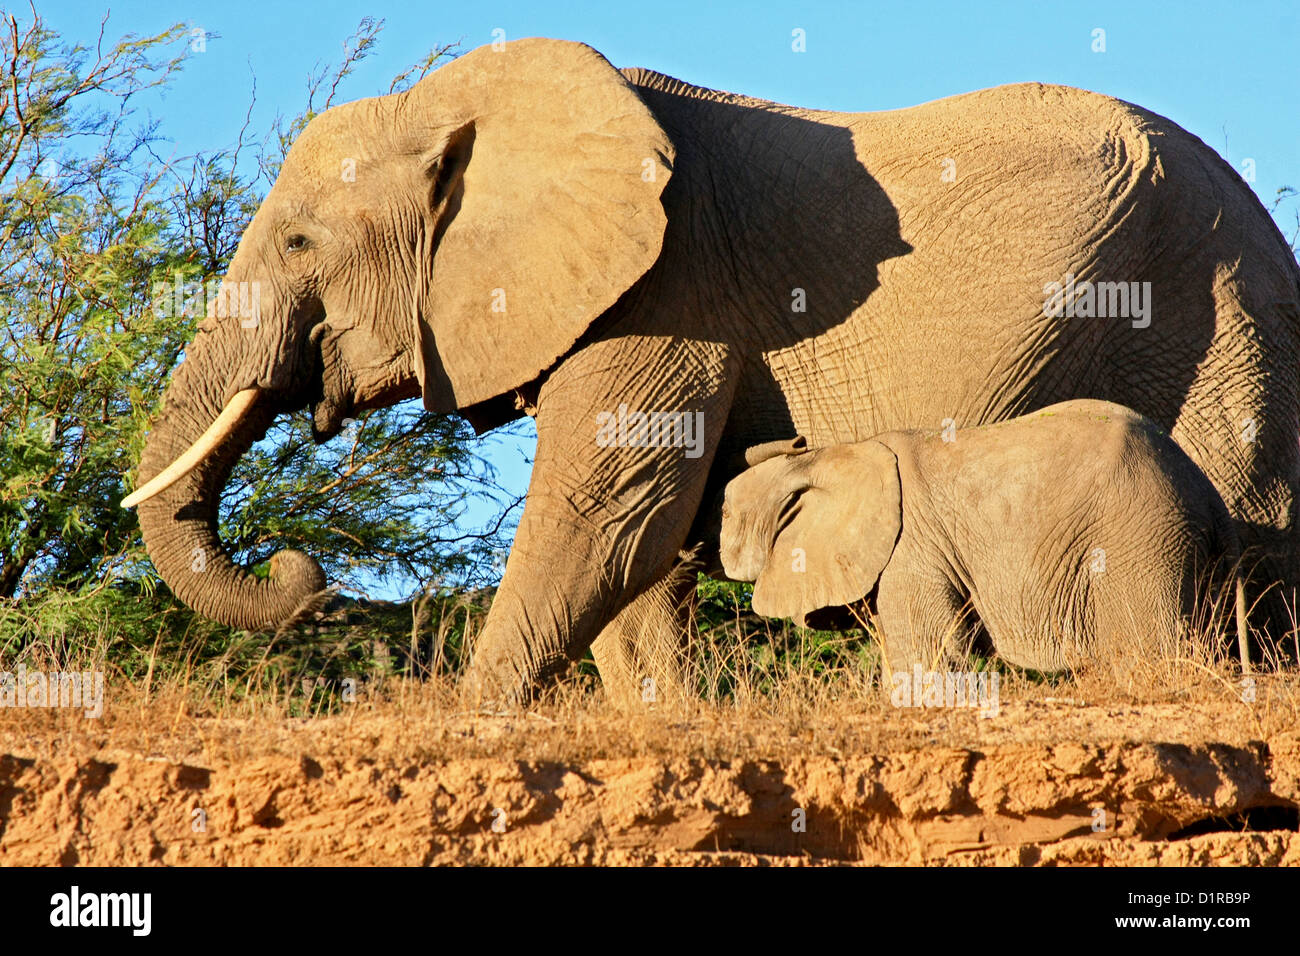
(776, 270)
(1071, 534)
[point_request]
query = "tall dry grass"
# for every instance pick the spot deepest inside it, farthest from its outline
(751, 689)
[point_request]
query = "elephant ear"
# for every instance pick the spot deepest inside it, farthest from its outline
(830, 521)
(549, 168)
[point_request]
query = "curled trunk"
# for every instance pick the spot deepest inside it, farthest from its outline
(180, 523)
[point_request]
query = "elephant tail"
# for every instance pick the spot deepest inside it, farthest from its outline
(1243, 630)
(1230, 567)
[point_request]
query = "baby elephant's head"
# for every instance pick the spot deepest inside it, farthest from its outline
(813, 529)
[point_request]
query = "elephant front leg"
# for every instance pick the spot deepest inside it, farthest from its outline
(921, 620)
(626, 431)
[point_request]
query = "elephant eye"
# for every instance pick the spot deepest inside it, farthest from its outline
(296, 243)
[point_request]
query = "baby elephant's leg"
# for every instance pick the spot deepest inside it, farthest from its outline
(921, 618)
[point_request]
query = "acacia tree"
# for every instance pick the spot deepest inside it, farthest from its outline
(80, 237)
(1287, 196)
(103, 247)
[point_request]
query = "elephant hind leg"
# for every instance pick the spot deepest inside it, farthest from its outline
(641, 654)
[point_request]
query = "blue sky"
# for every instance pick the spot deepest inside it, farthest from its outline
(1207, 66)
(1224, 71)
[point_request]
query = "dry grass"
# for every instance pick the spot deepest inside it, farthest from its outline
(748, 706)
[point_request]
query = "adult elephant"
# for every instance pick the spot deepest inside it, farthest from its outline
(530, 230)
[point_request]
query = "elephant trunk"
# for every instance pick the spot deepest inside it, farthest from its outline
(180, 523)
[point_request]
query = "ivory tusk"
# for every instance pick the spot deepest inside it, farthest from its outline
(217, 432)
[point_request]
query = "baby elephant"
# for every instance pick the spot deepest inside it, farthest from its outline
(1072, 532)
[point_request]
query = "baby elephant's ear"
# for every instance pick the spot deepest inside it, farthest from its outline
(834, 533)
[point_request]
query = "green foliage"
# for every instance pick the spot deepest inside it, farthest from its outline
(345, 502)
(737, 647)
(80, 239)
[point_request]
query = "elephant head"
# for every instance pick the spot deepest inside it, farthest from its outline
(451, 241)
(813, 530)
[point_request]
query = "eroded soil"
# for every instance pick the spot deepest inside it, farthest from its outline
(1046, 782)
